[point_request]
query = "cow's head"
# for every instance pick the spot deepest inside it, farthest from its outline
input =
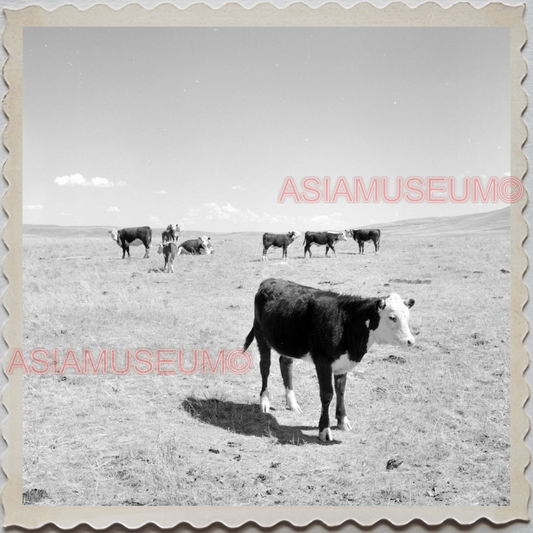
(160, 249)
(114, 235)
(341, 235)
(349, 232)
(294, 235)
(393, 327)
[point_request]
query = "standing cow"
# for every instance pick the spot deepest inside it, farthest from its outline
(331, 330)
(329, 238)
(170, 234)
(363, 235)
(279, 240)
(169, 251)
(133, 237)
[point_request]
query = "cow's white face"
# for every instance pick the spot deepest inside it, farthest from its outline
(341, 235)
(160, 249)
(394, 322)
(114, 235)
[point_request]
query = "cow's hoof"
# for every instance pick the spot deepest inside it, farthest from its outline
(344, 424)
(292, 404)
(264, 403)
(325, 435)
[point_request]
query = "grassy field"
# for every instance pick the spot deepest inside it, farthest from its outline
(440, 410)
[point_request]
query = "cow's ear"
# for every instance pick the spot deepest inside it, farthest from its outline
(409, 303)
(380, 304)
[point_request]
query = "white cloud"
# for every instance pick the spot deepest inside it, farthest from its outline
(238, 188)
(74, 179)
(78, 179)
(121, 183)
(112, 209)
(162, 191)
(101, 182)
(156, 221)
(33, 207)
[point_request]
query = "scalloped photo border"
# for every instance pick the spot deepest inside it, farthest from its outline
(332, 15)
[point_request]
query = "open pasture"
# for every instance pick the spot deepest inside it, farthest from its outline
(438, 413)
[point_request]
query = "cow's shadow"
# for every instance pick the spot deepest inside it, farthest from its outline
(248, 420)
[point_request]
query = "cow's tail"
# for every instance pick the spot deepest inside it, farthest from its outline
(305, 240)
(249, 340)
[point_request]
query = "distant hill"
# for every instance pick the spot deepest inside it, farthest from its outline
(477, 223)
(499, 220)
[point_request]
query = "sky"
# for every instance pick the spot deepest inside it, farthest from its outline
(203, 126)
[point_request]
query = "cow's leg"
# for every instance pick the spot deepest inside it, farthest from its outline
(285, 365)
(284, 253)
(264, 367)
(265, 254)
(307, 249)
(340, 412)
(361, 247)
(327, 249)
(147, 252)
(376, 246)
(324, 373)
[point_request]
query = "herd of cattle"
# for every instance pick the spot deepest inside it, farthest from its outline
(332, 331)
(202, 245)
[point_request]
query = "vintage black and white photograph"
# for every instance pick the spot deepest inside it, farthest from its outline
(266, 266)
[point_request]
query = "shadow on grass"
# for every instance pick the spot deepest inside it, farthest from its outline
(248, 420)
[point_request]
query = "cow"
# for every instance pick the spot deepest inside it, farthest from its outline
(329, 238)
(196, 246)
(169, 251)
(362, 235)
(208, 249)
(133, 237)
(279, 240)
(170, 234)
(332, 331)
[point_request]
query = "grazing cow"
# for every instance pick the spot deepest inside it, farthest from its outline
(169, 251)
(329, 238)
(133, 237)
(196, 246)
(331, 330)
(362, 235)
(171, 233)
(279, 240)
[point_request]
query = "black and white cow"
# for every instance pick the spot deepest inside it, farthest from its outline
(170, 234)
(331, 330)
(329, 238)
(363, 235)
(201, 245)
(133, 237)
(279, 240)
(169, 251)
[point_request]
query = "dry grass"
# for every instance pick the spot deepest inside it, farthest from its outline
(440, 410)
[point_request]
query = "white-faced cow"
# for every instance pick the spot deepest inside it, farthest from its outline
(363, 235)
(279, 240)
(331, 330)
(133, 237)
(170, 234)
(169, 251)
(329, 238)
(197, 246)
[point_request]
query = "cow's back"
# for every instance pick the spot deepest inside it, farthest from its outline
(285, 310)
